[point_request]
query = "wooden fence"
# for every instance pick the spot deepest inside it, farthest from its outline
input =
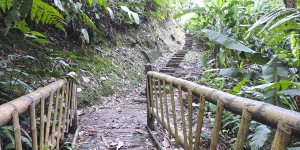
(51, 111)
(161, 106)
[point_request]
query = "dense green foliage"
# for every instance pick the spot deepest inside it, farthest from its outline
(254, 46)
(44, 40)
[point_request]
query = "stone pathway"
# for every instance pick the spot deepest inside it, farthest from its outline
(120, 122)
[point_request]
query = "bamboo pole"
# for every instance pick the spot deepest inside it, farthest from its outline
(148, 98)
(69, 106)
(72, 104)
(42, 124)
(48, 118)
(156, 101)
(33, 127)
(217, 126)
(199, 122)
(54, 119)
(150, 120)
(160, 101)
(166, 105)
(180, 139)
(282, 136)
(174, 114)
(243, 130)
(65, 112)
(183, 124)
(60, 117)
(17, 130)
(190, 119)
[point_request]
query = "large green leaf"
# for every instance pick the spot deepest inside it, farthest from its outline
(59, 5)
(219, 3)
(281, 85)
(90, 2)
(85, 35)
(187, 11)
(271, 17)
(274, 71)
(111, 14)
(259, 137)
(292, 92)
(25, 8)
(159, 2)
(103, 3)
(226, 41)
(259, 59)
(131, 14)
(230, 72)
(238, 87)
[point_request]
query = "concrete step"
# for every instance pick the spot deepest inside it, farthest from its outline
(175, 61)
(175, 65)
(167, 71)
(176, 58)
(187, 48)
(182, 52)
(179, 55)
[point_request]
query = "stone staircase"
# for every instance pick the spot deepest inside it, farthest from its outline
(178, 57)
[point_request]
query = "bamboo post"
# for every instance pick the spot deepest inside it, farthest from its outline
(76, 107)
(54, 119)
(42, 124)
(217, 126)
(148, 99)
(183, 124)
(73, 111)
(174, 114)
(199, 121)
(33, 127)
(150, 120)
(48, 117)
(243, 130)
(282, 136)
(72, 103)
(190, 119)
(160, 101)
(65, 112)
(60, 117)
(69, 107)
(156, 101)
(17, 130)
(167, 109)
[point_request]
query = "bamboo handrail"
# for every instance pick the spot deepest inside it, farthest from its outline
(262, 112)
(22, 103)
(286, 121)
(58, 98)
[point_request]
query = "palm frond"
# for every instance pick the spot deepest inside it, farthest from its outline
(276, 16)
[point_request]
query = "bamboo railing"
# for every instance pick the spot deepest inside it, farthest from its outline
(52, 113)
(286, 121)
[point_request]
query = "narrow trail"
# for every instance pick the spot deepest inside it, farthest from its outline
(120, 122)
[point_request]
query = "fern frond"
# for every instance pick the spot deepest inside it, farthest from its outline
(8, 133)
(46, 14)
(5, 5)
(84, 18)
(26, 141)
